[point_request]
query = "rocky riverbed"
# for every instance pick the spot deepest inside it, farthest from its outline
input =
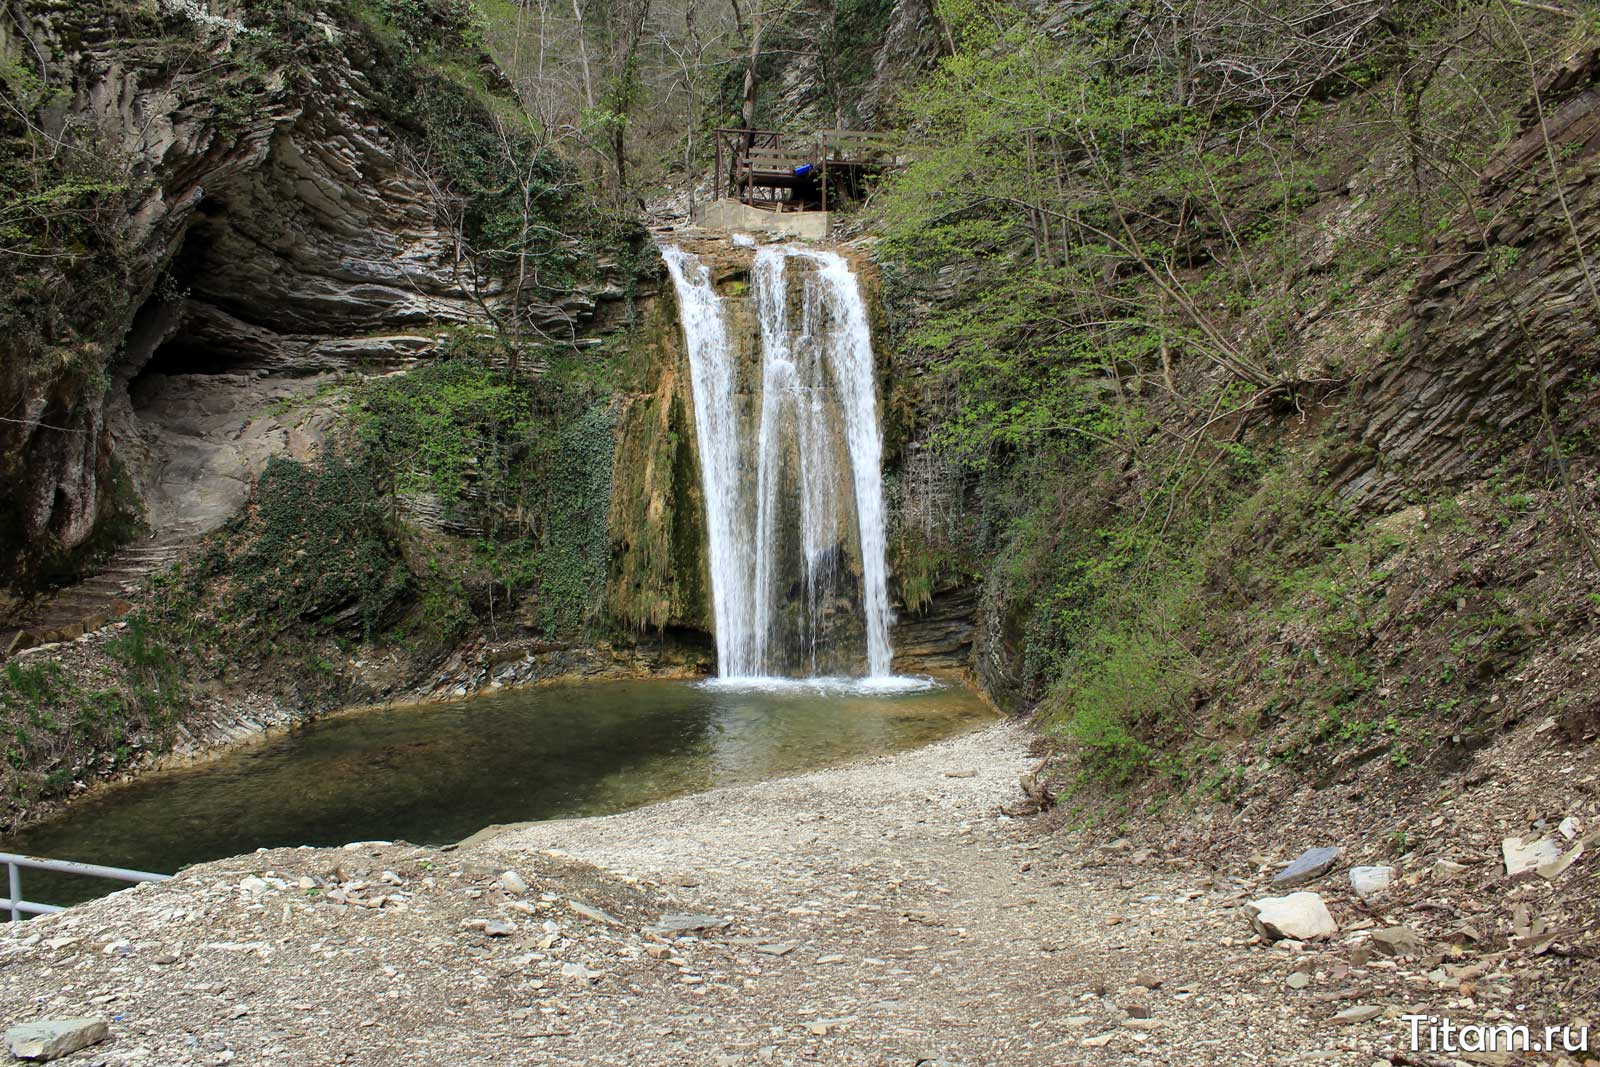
(894, 911)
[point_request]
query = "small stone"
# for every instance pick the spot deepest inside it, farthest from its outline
(49, 1039)
(1397, 941)
(1557, 867)
(1147, 979)
(1310, 865)
(1370, 881)
(1298, 980)
(1298, 916)
(775, 949)
(593, 913)
(961, 774)
(1524, 857)
(657, 952)
(1359, 1014)
(513, 883)
(1445, 870)
(1570, 827)
(578, 970)
(830, 959)
(1144, 1025)
(673, 925)
(1137, 1011)
(254, 886)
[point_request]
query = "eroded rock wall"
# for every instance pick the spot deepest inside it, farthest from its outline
(659, 577)
(270, 213)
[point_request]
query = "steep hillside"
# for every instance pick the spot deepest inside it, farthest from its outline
(1259, 412)
(225, 229)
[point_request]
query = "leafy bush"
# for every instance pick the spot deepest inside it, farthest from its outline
(522, 464)
(318, 548)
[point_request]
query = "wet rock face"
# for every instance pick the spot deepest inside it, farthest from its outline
(939, 637)
(1466, 384)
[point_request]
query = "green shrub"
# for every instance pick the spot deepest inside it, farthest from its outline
(318, 549)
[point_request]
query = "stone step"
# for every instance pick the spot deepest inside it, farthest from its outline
(121, 576)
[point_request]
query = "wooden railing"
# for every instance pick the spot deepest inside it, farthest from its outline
(761, 167)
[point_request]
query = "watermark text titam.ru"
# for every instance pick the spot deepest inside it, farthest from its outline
(1433, 1033)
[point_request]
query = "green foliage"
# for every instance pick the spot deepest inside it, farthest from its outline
(522, 464)
(1103, 263)
(424, 25)
(318, 549)
(56, 726)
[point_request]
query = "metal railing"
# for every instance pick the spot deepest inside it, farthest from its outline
(15, 863)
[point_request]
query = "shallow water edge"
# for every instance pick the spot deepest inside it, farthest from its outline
(435, 773)
(244, 725)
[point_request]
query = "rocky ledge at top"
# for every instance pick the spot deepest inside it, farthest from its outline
(293, 242)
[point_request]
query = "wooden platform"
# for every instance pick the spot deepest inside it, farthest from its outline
(774, 171)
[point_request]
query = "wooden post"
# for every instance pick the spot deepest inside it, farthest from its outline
(823, 152)
(716, 175)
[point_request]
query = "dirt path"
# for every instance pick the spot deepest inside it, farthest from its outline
(881, 913)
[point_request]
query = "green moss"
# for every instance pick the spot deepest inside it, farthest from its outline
(318, 549)
(657, 574)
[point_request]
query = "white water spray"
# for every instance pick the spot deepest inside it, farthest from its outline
(713, 379)
(781, 545)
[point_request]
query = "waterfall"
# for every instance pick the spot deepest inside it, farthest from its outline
(713, 379)
(794, 487)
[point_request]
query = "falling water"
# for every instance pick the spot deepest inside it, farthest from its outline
(713, 377)
(850, 353)
(796, 525)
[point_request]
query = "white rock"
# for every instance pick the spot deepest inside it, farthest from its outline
(1370, 881)
(513, 883)
(1557, 867)
(1523, 856)
(1301, 916)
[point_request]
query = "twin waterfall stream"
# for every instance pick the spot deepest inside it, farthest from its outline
(791, 461)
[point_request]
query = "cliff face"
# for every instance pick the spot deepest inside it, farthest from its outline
(1500, 330)
(269, 208)
(658, 577)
